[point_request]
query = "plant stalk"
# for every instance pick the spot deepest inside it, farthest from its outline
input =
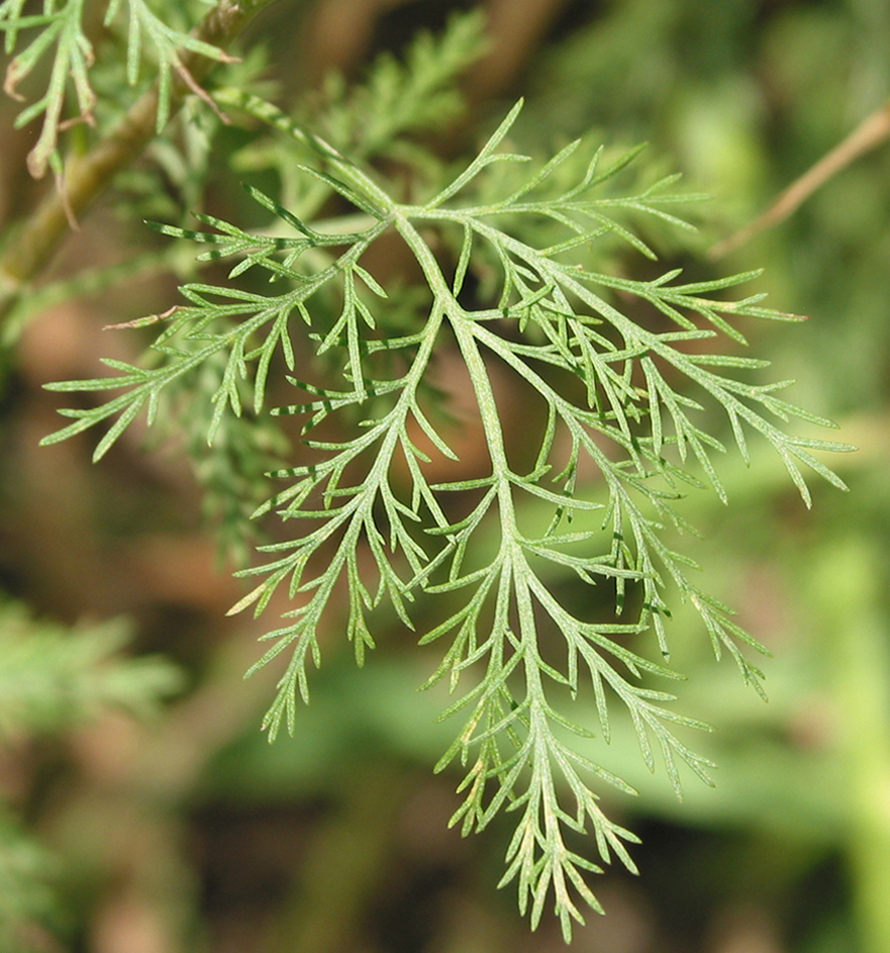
(87, 177)
(869, 134)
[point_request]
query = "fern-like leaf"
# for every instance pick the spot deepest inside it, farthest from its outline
(370, 528)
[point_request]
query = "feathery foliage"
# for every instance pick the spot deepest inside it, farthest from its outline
(627, 388)
(51, 679)
(60, 31)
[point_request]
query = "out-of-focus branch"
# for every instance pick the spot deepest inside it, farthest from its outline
(870, 133)
(87, 177)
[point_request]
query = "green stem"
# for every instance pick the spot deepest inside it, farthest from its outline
(515, 559)
(87, 177)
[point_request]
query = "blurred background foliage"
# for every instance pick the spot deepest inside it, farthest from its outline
(185, 830)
